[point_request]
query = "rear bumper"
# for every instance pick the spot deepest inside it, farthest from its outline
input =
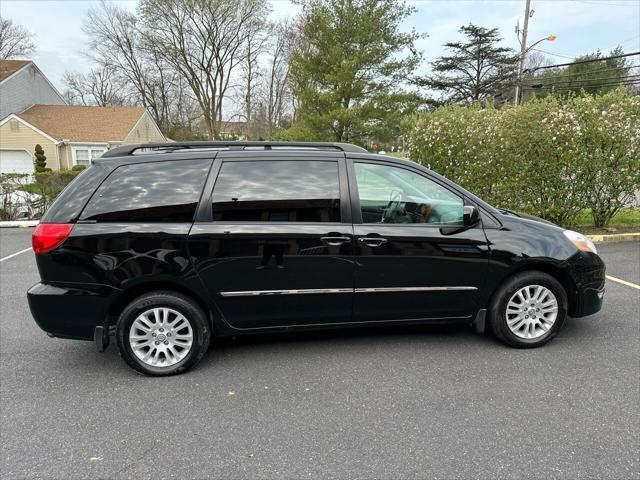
(70, 311)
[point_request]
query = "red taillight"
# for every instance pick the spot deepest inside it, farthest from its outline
(48, 236)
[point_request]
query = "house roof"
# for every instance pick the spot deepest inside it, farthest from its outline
(83, 124)
(9, 67)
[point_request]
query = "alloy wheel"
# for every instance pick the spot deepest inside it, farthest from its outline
(161, 337)
(531, 311)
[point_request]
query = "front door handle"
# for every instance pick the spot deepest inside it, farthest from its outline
(334, 241)
(373, 241)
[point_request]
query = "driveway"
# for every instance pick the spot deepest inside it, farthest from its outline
(418, 402)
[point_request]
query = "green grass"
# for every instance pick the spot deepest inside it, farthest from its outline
(626, 217)
(31, 188)
(397, 154)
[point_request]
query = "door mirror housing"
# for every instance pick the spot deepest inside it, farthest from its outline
(470, 215)
(470, 218)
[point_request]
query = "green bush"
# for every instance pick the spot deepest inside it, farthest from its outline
(78, 168)
(13, 200)
(609, 139)
(549, 157)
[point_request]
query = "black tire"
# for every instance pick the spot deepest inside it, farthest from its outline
(498, 308)
(175, 301)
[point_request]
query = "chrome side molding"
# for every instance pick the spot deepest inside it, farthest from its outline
(411, 289)
(313, 291)
(306, 291)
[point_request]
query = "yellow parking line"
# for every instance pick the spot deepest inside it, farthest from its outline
(623, 282)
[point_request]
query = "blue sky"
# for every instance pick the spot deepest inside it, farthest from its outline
(581, 26)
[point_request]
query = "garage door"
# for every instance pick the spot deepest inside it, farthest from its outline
(15, 161)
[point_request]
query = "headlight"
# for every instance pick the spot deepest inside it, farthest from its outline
(580, 241)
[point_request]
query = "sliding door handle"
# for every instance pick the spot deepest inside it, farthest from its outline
(334, 241)
(373, 241)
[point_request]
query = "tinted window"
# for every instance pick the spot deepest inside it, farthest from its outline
(149, 192)
(68, 205)
(395, 195)
(277, 191)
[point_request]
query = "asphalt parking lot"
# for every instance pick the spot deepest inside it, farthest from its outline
(419, 402)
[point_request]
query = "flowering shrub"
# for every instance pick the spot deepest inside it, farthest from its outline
(549, 157)
(609, 128)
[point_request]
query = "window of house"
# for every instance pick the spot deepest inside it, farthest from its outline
(395, 195)
(277, 191)
(149, 192)
(84, 155)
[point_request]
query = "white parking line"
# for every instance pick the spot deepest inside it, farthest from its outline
(623, 282)
(14, 254)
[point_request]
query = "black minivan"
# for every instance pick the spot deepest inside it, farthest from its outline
(164, 245)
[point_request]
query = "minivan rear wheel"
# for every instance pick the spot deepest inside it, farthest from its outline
(162, 333)
(528, 310)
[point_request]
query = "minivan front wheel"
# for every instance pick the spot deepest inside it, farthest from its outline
(528, 310)
(162, 333)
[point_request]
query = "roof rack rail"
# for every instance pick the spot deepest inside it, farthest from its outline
(127, 150)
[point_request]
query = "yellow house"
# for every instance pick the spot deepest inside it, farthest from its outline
(70, 134)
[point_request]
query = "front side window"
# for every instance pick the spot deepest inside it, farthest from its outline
(395, 195)
(277, 191)
(149, 192)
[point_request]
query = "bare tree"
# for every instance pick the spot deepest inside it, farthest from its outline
(257, 38)
(118, 43)
(100, 87)
(204, 41)
(298, 42)
(277, 92)
(535, 60)
(16, 41)
(183, 112)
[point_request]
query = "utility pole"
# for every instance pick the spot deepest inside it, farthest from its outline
(523, 50)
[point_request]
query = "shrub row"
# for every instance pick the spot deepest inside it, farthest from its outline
(550, 157)
(22, 197)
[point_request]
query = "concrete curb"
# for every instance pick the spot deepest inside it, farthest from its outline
(618, 237)
(19, 224)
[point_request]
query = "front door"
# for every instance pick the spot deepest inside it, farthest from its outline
(278, 248)
(414, 261)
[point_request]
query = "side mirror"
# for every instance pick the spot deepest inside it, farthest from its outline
(471, 215)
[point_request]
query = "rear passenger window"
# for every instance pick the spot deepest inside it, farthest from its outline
(277, 191)
(149, 192)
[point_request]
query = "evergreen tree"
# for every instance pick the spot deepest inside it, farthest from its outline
(477, 69)
(41, 160)
(348, 68)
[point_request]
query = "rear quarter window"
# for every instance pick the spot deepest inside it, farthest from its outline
(149, 192)
(68, 205)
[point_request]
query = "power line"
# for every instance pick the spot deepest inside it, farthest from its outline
(551, 53)
(579, 62)
(578, 81)
(586, 87)
(620, 78)
(590, 80)
(590, 72)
